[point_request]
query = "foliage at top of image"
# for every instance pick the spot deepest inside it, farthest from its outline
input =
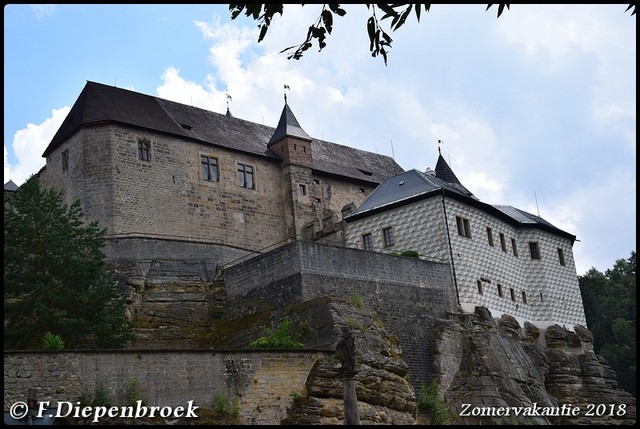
(55, 278)
(380, 41)
(280, 337)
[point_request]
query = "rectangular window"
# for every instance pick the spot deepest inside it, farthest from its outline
(503, 243)
(524, 297)
(303, 189)
(464, 228)
(388, 237)
(366, 242)
(245, 176)
(534, 249)
(209, 168)
(144, 150)
(490, 236)
(541, 300)
(500, 291)
(513, 294)
(65, 161)
(514, 246)
(479, 286)
(561, 257)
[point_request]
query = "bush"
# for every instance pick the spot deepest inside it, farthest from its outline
(52, 341)
(431, 406)
(278, 338)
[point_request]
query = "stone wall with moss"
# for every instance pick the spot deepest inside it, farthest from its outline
(263, 384)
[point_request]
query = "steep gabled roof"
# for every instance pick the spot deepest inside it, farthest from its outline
(413, 185)
(99, 104)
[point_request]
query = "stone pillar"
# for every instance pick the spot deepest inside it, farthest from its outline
(351, 412)
(347, 373)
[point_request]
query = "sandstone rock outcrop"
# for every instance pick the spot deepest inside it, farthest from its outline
(535, 377)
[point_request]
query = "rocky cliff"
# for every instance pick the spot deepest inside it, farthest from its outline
(484, 365)
(489, 371)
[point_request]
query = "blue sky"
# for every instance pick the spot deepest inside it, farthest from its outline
(535, 109)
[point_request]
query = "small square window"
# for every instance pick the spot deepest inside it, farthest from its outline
(388, 237)
(65, 161)
(490, 236)
(366, 242)
(209, 168)
(245, 176)
(464, 227)
(561, 256)
(534, 249)
(144, 150)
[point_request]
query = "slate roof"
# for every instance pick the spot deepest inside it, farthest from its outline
(99, 104)
(413, 185)
(10, 186)
(288, 126)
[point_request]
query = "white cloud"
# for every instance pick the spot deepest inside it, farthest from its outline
(28, 145)
(42, 11)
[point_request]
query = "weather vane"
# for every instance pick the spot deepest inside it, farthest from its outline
(285, 93)
(226, 92)
(439, 143)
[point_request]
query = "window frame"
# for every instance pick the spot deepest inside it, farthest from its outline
(144, 150)
(208, 164)
(490, 237)
(244, 171)
(503, 242)
(367, 241)
(534, 250)
(514, 246)
(464, 226)
(387, 237)
(563, 262)
(65, 160)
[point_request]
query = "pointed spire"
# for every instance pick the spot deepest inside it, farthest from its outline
(288, 126)
(443, 171)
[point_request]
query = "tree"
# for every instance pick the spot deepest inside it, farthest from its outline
(609, 301)
(380, 41)
(55, 278)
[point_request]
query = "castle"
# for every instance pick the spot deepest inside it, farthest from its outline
(161, 175)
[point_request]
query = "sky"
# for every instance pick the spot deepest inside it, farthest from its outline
(535, 109)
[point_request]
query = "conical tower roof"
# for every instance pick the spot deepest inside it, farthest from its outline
(444, 172)
(288, 126)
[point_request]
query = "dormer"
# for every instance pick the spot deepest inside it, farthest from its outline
(290, 141)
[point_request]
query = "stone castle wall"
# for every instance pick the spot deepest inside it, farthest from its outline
(263, 380)
(167, 197)
(408, 294)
